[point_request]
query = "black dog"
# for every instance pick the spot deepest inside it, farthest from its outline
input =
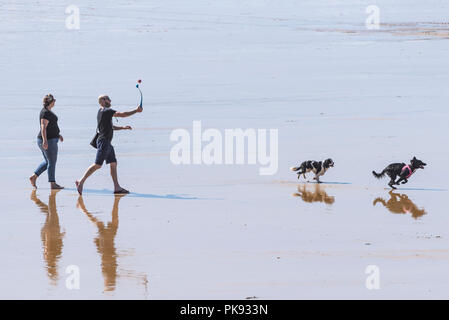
(402, 170)
(319, 168)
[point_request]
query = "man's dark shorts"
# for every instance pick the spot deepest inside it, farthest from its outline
(105, 151)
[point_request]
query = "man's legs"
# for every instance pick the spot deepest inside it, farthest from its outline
(87, 174)
(114, 175)
(102, 151)
(117, 188)
(112, 160)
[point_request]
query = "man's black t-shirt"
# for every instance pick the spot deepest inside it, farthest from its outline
(104, 120)
(52, 127)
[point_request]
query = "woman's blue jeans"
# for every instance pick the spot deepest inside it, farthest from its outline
(50, 157)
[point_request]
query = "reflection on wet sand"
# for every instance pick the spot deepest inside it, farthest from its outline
(400, 203)
(318, 195)
(105, 242)
(424, 30)
(51, 234)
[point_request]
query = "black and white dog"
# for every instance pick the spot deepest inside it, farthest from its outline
(319, 168)
(402, 170)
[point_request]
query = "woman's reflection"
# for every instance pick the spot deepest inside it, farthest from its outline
(105, 242)
(318, 195)
(51, 234)
(400, 203)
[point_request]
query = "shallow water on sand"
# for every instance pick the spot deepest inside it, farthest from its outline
(365, 99)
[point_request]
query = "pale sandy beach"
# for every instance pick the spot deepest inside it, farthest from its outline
(332, 88)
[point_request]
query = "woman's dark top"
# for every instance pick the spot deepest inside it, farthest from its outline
(104, 120)
(52, 127)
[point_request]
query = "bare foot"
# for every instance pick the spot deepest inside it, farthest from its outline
(33, 179)
(55, 186)
(121, 191)
(79, 187)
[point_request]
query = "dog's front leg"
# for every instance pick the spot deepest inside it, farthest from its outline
(401, 179)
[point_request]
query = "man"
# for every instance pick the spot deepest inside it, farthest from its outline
(105, 151)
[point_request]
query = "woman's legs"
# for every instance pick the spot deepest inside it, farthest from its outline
(50, 157)
(42, 167)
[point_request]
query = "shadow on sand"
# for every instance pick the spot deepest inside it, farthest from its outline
(418, 189)
(400, 204)
(139, 195)
(106, 248)
(317, 195)
(51, 234)
(326, 182)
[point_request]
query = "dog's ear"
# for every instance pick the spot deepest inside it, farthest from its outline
(414, 158)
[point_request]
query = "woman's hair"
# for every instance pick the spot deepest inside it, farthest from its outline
(48, 99)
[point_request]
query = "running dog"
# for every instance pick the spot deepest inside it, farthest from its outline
(402, 170)
(319, 168)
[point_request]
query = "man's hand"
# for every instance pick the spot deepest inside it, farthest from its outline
(61, 138)
(127, 128)
(139, 109)
(45, 145)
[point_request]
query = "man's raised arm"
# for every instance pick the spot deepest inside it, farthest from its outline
(128, 113)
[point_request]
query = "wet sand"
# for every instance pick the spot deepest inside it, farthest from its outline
(365, 99)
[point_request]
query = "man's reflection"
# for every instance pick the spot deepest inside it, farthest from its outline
(400, 203)
(105, 242)
(51, 234)
(317, 195)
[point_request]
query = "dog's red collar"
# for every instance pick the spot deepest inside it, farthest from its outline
(409, 170)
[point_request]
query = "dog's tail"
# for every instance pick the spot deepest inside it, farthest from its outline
(379, 175)
(295, 168)
(377, 200)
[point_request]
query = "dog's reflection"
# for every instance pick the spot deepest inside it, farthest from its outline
(51, 235)
(317, 195)
(400, 203)
(105, 242)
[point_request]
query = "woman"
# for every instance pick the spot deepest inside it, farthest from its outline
(47, 140)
